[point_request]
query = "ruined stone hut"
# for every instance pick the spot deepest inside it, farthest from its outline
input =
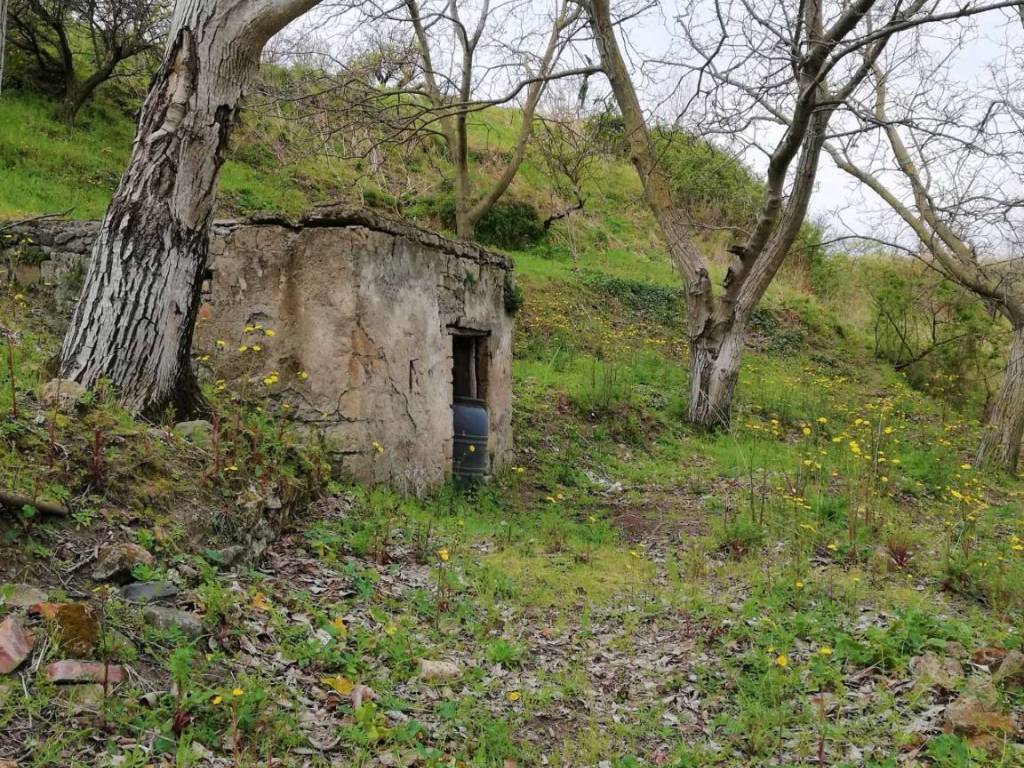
(379, 330)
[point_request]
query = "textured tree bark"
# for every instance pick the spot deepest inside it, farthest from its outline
(714, 369)
(135, 316)
(3, 39)
(76, 94)
(1001, 442)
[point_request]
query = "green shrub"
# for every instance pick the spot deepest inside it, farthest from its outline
(653, 302)
(513, 225)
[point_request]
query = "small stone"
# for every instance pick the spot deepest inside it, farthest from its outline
(198, 432)
(114, 645)
(986, 742)
(62, 394)
(15, 644)
(21, 595)
(116, 562)
(956, 650)
(78, 630)
(931, 670)
(988, 656)
(171, 618)
(72, 671)
(1010, 672)
(968, 716)
(148, 591)
(83, 699)
(982, 688)
(439, 671)
(225, 557)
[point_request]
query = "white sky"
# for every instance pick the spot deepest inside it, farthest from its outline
(840, 200)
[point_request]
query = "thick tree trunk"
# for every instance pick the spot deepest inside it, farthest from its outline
(714, 368)
(1000, 444)
(3, 40)
(135, 317)
(77, 93)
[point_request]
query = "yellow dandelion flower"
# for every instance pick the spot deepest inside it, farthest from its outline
(243, 348)
(302, 375)
(798, 584)
(781, 660)
(443, 554)
(513, 696)
(220, 343)
(825, 650)
(237, 692)
(269, 332)
(257, 348)
(216, 700)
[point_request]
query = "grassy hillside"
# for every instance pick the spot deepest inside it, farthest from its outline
(830, 583)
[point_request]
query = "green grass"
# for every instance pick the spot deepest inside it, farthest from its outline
(638, 593)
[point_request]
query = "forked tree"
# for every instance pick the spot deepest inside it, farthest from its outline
(784, 63)
(946, 158)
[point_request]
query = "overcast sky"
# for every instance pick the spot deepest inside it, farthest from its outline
(845, 204)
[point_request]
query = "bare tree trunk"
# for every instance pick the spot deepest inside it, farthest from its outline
(3, 39)
(136, 313)
(1001, 442)
(714, 369)
(76, 94)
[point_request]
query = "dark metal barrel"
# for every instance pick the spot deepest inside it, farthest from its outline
(469, 457)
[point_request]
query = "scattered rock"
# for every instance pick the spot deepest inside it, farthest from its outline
(62, 394)
(71, 671)
(360, 694)
(86, 698)
(116, 562)
(22, 595)
(1011, 670)
(439, 671)
(956, 650)
(988, 656)
(15, 644)
(115, 645)
(198, 432)
(171, 618)
(148, 591)
(931, 670)
(982, 688)
(78, 630)
(225, 557)
(968, 716)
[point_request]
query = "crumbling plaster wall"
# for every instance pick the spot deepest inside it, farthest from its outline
(362, 308)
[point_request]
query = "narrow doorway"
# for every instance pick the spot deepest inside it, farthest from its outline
(469, 406)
